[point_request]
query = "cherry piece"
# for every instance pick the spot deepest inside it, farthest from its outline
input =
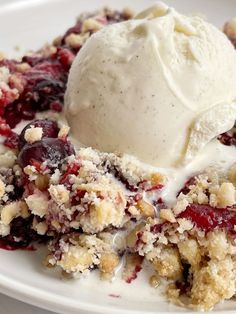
(50, 129)
(50, 150)
(208, 218)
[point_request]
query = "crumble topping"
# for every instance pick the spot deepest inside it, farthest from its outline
(78, 253)
(230, 30)
(33, 134)
(37, 203)
(194, 243)
(2, 188)
(59, 194)
(64, 131)
(4, 74)
(226, 195)
(167, 214)
(40, 227)
(7, 159)
(13, 210)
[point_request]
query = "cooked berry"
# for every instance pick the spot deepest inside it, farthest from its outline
(21, 236)
(43, 88)
(5, 129)
(119, 175)
(9, 63)
(228, 138)
(50, 129)
(205, 218)
(66, 57)
(187, 185)
(12, 141)
(208, 218)
(49, 150)
(33, 60)
(43, 92)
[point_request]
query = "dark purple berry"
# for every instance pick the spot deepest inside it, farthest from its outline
(50, 129)
(51, 150)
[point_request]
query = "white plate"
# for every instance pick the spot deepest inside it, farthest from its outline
(29, 24)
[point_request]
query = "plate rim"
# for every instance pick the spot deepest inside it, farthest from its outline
(47, 300)
(59, 304)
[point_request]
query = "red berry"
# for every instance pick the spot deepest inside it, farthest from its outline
(228, 139)
(66, 57)
(208, 218)
(12, 141)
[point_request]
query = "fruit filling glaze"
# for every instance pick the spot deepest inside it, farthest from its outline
(95, 211)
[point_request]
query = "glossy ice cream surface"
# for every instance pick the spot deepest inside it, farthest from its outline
(158, 87)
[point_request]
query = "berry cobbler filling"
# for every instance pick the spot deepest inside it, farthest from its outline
(78, 201)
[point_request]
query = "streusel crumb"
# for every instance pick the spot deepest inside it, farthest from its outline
(33, 134)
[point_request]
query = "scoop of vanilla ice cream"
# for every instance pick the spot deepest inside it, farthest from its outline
(158, 87)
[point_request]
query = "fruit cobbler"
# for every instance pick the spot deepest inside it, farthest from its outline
(95, 210)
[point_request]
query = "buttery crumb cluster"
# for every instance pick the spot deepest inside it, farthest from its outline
(192, 244)
(94, 209)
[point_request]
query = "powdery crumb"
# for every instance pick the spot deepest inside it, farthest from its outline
(180, 206)
(31, 172)
(2, 188)
(184, 225)
(76, 259)
(76, 40)
(64, 131)
(168, 264)
(2, 55)
(167, 214)
(59, 193)
(108, 264)
(4, 74)
(217, 245)
(226, 195)
(22, 67)
(213, 283)
(133, 265)
(128, 13)
(91, 24)
(230, 28)
(41, 228)
(8, 159)
(189, 250)
(38, 203)
(154, 281)
(13, 210)
(80, 253)
(33, 134)
(4, 229)
(146, 209)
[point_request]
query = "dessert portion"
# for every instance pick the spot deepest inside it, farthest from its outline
(165, 77)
